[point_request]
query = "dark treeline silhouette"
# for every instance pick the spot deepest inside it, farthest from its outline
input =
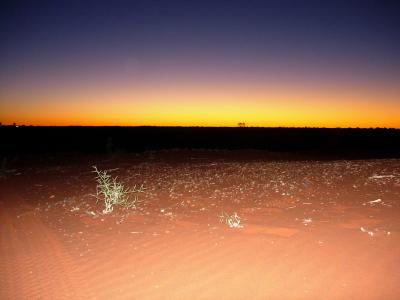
(338, 143)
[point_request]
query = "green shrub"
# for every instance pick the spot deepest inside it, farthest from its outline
(113, 192)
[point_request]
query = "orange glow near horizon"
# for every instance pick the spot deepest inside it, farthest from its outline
(193, 105)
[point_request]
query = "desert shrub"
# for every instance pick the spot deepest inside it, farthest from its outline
(3, 170)
(112, 192)
(233, 221)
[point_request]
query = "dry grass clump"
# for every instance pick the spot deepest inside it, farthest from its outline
(113, 192)
(233, 221)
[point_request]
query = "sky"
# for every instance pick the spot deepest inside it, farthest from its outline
(200, 63)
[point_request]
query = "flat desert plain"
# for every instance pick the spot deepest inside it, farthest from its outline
(208, 226)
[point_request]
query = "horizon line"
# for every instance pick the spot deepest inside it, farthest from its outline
(199, 126)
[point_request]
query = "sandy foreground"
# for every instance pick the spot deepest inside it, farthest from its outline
(308, 229)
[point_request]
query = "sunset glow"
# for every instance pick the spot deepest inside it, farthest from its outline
(196, 106)
(261, 73)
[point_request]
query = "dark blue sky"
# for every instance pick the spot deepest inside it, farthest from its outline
(363, 34)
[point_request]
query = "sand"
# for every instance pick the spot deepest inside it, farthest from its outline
(308, 229)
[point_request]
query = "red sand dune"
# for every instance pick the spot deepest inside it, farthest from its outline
(311, 230)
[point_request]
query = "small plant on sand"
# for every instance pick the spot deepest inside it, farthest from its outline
(3, 170)
(232, 221)
(113, 192)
